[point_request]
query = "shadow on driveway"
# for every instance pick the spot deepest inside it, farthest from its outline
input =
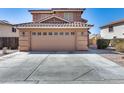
(90, 51)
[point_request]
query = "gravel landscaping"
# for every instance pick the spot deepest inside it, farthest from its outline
(110, 54)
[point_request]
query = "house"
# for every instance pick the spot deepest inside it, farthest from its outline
(8, 35)
(113, 30)
(56, 29)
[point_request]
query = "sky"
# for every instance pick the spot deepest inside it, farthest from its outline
(96, 16)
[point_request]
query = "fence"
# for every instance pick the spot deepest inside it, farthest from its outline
(9, 42)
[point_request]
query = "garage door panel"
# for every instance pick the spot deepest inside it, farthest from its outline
(53, 43)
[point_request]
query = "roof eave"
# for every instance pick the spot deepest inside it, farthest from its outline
(51, 27)
(59, 10)
(5, 24)
(112, 24)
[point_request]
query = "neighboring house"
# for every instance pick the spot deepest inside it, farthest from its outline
(113, 30)
(8, 35)
(57, 29)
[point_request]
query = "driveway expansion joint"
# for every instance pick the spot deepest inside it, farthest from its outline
(37, 66)
(82, 75)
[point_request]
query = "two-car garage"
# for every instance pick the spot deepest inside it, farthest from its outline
(53, 40)
(55, 37)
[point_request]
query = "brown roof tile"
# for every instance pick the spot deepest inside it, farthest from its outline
(113, 23)
(53, 25)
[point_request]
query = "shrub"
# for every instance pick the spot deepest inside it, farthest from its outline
(102, 43)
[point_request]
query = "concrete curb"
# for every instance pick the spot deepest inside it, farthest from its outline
(9, 55)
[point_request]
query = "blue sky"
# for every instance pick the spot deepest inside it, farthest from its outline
(96, 16)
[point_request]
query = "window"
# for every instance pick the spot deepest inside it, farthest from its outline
(111, 29)
(68, 16)
(44, 33)
(13, 29)
(33, 33)
(66, 33)
(72, 33)
(61, 33)
(55, 33)
(39, 33)
(50, 33)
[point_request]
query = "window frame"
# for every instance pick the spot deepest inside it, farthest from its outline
(111, 29)
(13, 30)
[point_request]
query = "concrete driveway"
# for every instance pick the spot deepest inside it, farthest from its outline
(22, 67)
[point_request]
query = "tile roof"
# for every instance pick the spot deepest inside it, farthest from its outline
(60, 9)
(67, 8)
(57, 9)
(113, 23)
(4, 22)
(53, 25)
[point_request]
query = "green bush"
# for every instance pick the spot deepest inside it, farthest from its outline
(102, 43)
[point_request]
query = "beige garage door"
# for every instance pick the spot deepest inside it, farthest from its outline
(52, 41)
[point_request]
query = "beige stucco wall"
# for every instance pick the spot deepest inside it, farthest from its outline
(6, 31)
(80, 42)
(24, 41)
